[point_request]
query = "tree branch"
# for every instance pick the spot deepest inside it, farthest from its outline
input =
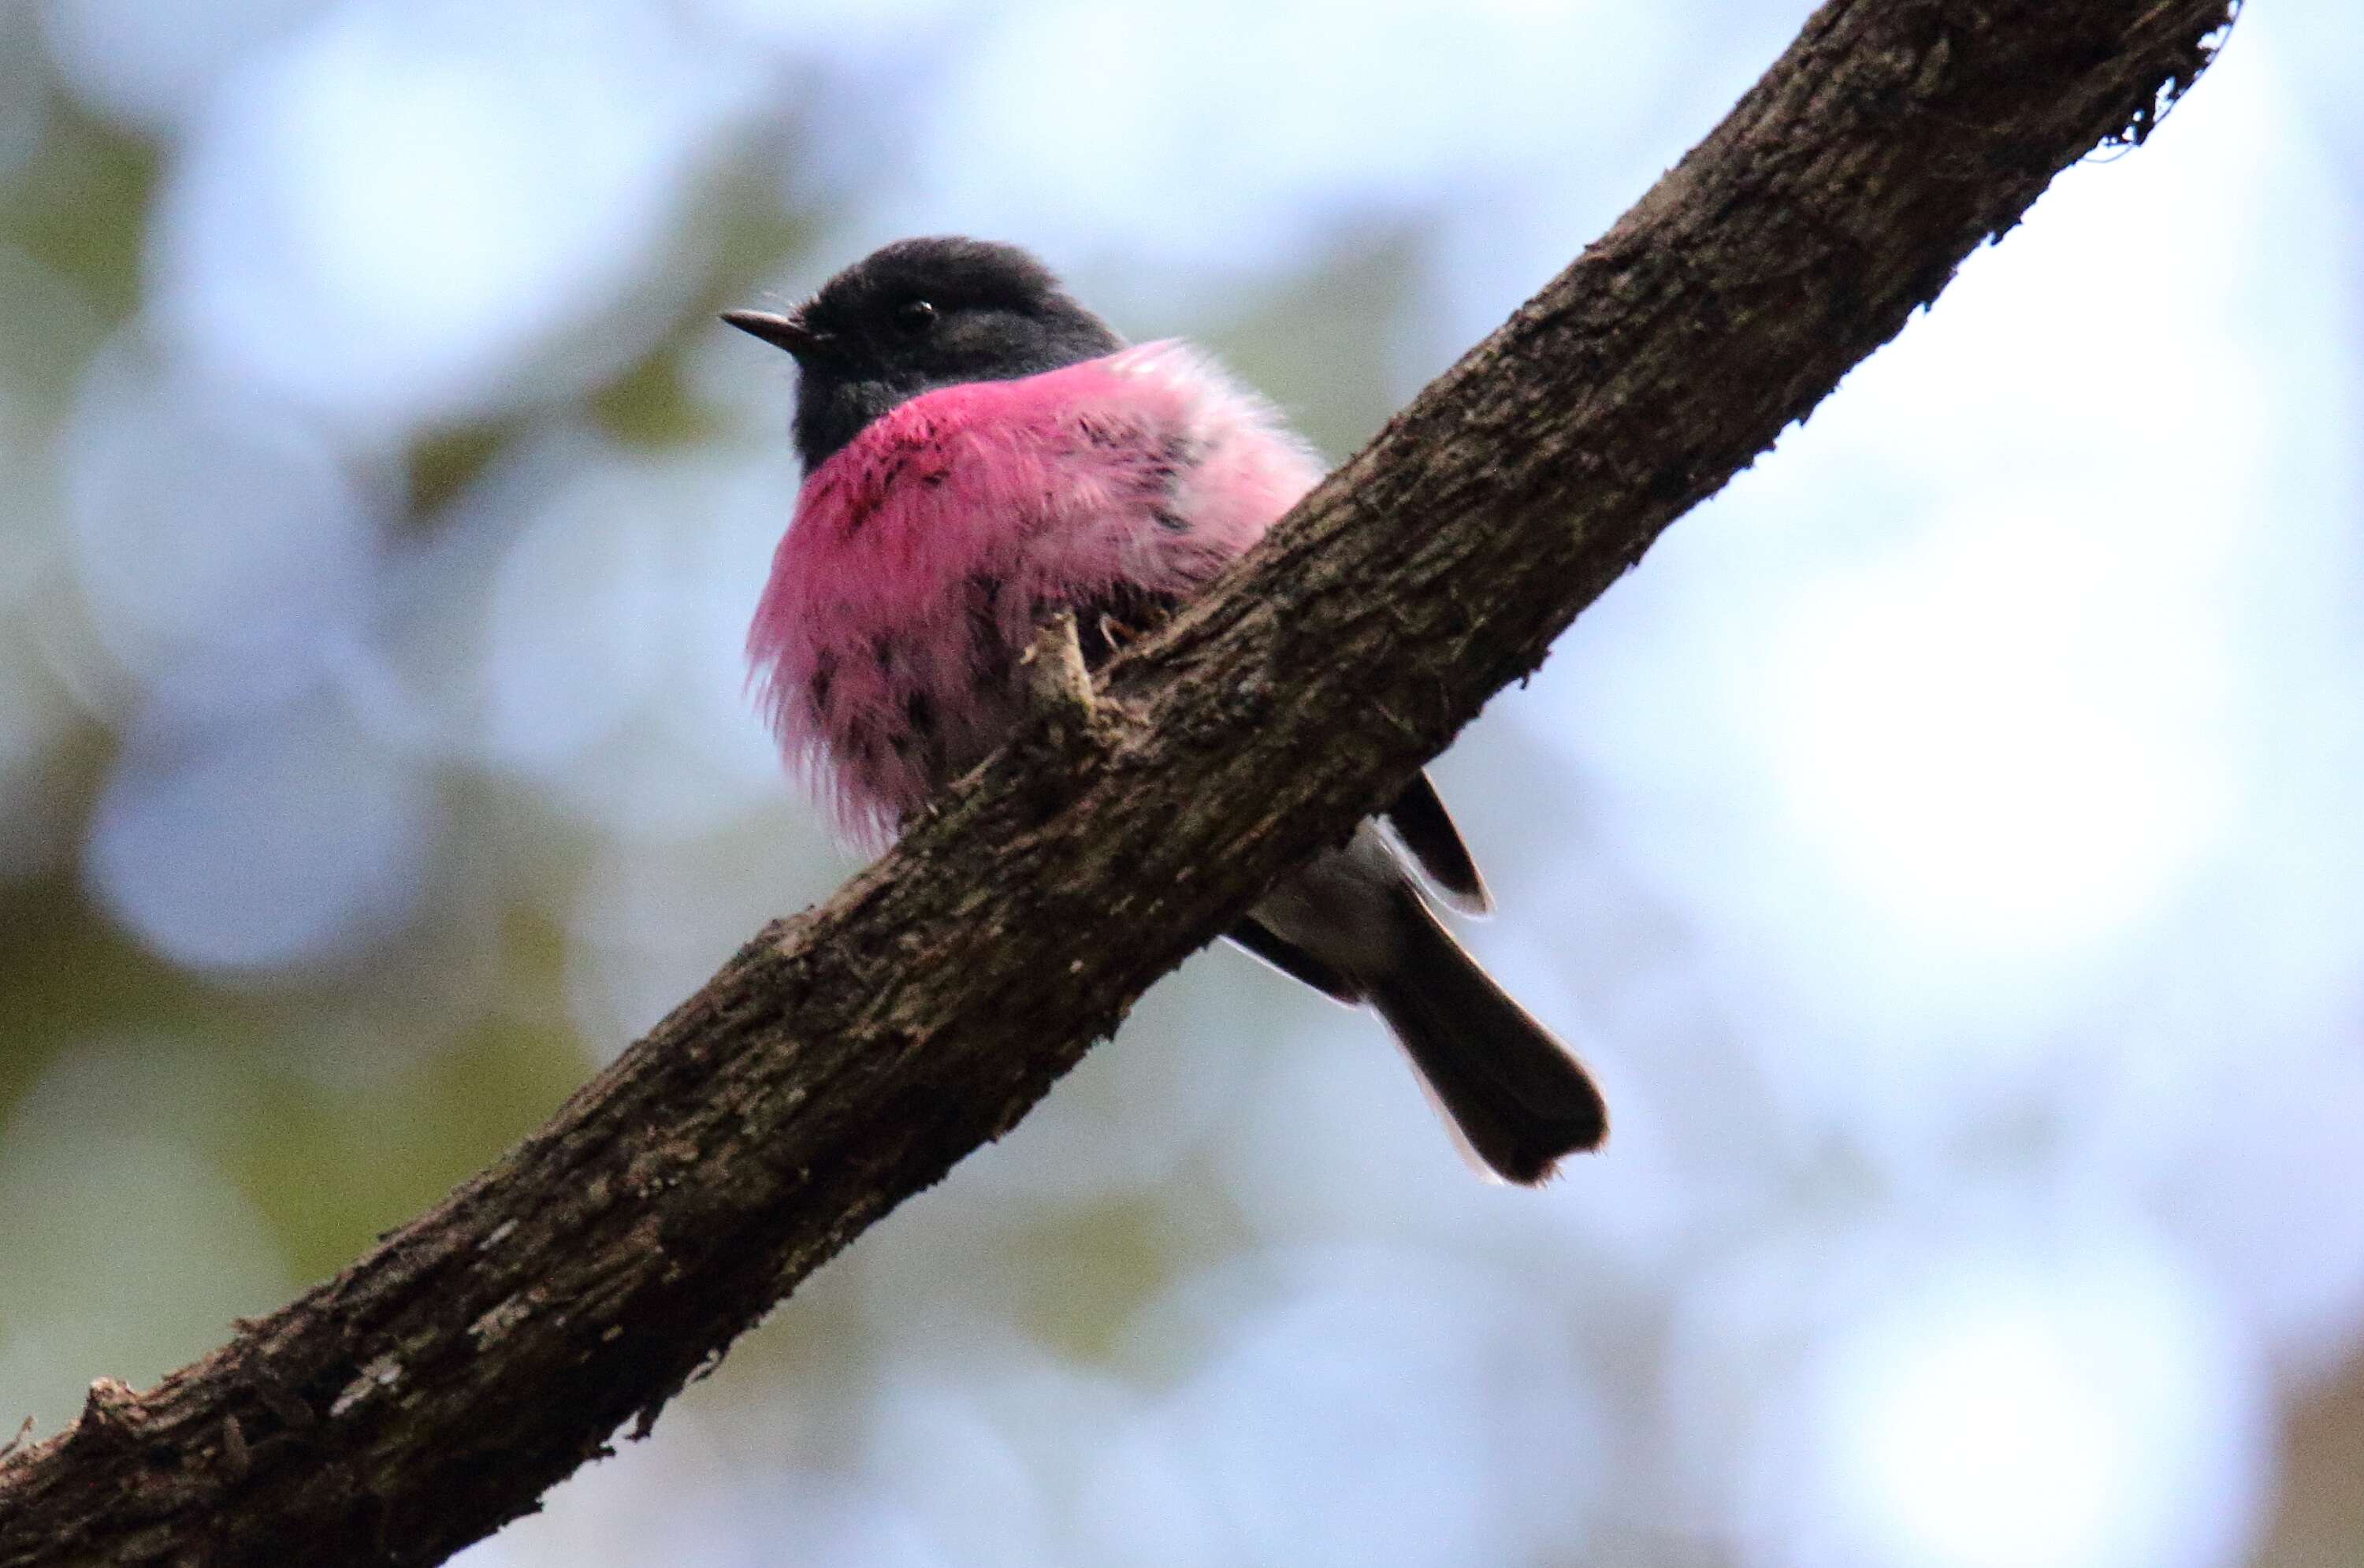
(847, 1058)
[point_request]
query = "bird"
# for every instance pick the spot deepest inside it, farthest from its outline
(982, 452)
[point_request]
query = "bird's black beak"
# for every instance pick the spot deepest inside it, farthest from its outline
(782, 332)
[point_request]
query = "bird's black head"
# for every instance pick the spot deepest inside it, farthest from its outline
(918, 315)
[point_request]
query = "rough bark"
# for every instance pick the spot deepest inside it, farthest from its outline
(845, 1059)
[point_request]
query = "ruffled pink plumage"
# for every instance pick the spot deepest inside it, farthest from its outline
(922, 554)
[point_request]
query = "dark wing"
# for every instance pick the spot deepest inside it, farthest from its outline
(1421, 824)
(1293, 961)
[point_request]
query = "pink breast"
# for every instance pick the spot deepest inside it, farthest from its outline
(922, 553)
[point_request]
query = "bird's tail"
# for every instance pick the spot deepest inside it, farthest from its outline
(1517, 1098)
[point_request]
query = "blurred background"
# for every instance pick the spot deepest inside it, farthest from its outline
(1947, 844)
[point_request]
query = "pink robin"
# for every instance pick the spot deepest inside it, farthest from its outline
(982, 452)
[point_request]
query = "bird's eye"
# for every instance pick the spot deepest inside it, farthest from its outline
(915, 316)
